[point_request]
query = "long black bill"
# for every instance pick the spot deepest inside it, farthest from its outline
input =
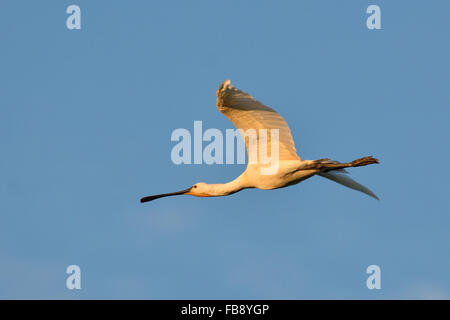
(157, 196)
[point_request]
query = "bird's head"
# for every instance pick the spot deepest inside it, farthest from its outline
(199, 189)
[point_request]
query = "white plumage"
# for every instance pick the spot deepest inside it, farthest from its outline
(246, 113)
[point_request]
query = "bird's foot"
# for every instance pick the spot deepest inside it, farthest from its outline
(364, 161)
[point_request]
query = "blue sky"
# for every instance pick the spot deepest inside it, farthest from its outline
(85, 123)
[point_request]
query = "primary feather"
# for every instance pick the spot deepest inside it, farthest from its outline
(345, 180)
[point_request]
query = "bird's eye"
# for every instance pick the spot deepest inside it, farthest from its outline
(194, 187)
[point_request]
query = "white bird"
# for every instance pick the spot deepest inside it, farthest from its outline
(245, 112)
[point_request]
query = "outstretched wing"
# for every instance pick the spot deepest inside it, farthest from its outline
(248, 113)
(345, 180)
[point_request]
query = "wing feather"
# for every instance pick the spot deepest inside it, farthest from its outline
(245, 112)
(348, 182)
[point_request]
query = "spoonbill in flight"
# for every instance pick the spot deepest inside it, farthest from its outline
(247, 113)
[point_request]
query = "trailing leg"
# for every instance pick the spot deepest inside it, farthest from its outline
(326, 165)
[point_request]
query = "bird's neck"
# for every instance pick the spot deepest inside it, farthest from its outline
(224, 189)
